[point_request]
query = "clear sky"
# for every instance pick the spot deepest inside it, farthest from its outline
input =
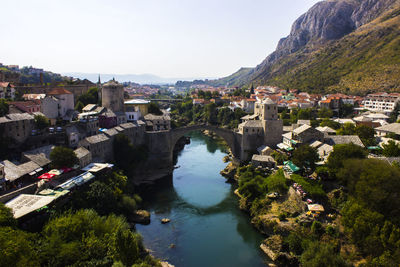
(169, 38)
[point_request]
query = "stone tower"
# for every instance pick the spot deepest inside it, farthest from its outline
(112, 96)
(272, 125)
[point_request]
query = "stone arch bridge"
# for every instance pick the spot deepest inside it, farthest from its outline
(161, 144)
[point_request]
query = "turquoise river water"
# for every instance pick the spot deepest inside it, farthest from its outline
(207, 228)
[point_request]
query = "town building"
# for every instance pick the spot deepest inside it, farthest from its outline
(16, 126)
(157, 122)
(27, 106)
(136, 109)
(84, 156)
(381, 102)
(7, 90)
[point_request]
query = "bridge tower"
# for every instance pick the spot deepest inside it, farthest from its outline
(272, 125)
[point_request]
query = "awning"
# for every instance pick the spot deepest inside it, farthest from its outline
(46, 176)
(24, 204)
(291, 166)
(374, 148)
(56, 172)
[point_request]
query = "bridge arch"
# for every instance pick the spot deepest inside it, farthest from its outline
(230, 137)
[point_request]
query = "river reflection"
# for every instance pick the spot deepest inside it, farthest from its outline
(206, 228)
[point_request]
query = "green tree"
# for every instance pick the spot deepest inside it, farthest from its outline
(63, 157)
(6, 217)
(154, 109)
(91, 97)
(325, 113)
(41, 122)
(332, 124)
(391, 149)
(305, 156)
(347, 129)
(79, 106)
(211, 113)
(3, 107)
(342, 153)
(319, 254)
(366, 134)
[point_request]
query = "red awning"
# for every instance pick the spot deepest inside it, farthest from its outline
(46, 176)
(66, 169)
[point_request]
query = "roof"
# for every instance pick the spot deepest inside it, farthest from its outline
(301, 129)
(89, 107)
(344, 139)
(110, 132)
(268, 101)
(98, 138)
(14, 172)
(291, 166)
(262, 158)
(316, 207)
(156, 117)
(316, 144)
(96, 167)
(263, 149)
(81, 152)
(392, 128)
(307, 122)
(16, 117)
(343, 121)
(59, 91)
(24, 204)
(362, 118)
(127, 125)
(252, 124)
(5, 84)
(325, 129)
(287, 135)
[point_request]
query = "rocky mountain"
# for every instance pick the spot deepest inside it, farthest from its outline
(329, 30)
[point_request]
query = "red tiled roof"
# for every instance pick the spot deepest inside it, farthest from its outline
(59, 91)
(5, 84)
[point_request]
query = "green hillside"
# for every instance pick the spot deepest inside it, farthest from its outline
(364, 61)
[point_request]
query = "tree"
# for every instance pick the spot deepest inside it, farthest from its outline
(63, 157)
(91, 97)
(325, 113)
(318, 254)
(305, 156)
(211, 113)
(41, 122)
(366, 134)
(343, 152)
(3, 107)
(154, 109)
(347, 129)
(332, 124)
(391, 149)
(79, 106)
(6, 217)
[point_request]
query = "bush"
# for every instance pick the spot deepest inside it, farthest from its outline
(311, 187)
(63, 157)
(277, 183)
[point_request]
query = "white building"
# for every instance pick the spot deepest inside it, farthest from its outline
(381, 102)
(63, 100)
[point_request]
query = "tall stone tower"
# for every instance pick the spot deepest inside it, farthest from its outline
(272, 125)
(112, 96)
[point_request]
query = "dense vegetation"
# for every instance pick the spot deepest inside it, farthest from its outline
(92, 229)
(63, 157)
(185, 113)
(363, 191)
(91, 97)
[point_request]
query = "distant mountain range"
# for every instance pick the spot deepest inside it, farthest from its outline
(137, 78)
(350, 46)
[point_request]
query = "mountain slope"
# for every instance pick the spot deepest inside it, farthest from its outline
(344, 45)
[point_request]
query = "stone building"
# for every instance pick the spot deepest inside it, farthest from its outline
(7, 90)
(65, 102)
(100, 146)
(112, 96)
(262, 128)
(84, 156)
(17, 126)
(157, 122)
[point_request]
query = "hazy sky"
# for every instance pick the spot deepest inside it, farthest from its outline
(170, 38)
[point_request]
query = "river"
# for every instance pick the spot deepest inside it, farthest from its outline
(207, 228)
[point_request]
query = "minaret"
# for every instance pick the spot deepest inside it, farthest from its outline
(99, 87)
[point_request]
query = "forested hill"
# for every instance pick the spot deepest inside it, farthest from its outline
(338, 45)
